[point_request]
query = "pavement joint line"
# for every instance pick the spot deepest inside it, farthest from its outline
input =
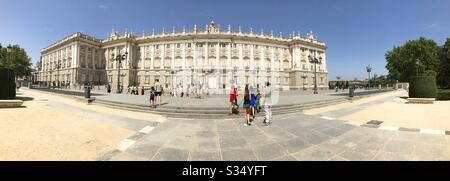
(146, 129)
(390, 128)
(431, 131)
(395, 128)
(353, 123)
(327, 118)
(125, 144)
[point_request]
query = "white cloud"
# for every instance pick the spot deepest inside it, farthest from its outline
(432, 25)
(101, 6)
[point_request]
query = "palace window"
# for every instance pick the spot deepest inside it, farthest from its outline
(157, 47)
(168, 46)
(234, 45)
(147, 79)
(189, 45)
(178, 45)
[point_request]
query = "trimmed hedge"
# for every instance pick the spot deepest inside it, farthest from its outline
(443, 94)
(7, 84)
(422, 87)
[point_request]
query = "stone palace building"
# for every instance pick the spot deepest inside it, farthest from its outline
(211, 58)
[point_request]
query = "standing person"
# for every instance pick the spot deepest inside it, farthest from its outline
(129, 89)
(152, 97)
(233, 97)
(142, 90)
(258, 98)
(158, 91)
(252, 101)
(267, 104)
(182, 90)
(246, 106)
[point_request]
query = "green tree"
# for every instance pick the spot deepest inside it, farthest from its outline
(443, 77)
(15, 58)
(412, 58)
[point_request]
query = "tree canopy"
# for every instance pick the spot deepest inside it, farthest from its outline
(15, 58)
(412, 58)
(443, 77)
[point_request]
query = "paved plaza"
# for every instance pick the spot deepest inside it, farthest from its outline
(217, 101)
(71, 130)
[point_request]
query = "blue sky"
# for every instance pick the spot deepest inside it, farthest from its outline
(357, 32)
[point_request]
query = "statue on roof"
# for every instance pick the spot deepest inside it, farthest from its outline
(212, 28)
(310, 35)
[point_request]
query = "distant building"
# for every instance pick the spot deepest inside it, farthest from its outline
(212, 57)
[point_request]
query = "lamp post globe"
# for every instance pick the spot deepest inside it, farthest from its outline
(119, 58)
(369, 69)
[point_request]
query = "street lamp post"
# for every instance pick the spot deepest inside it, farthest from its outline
(369, 69)
(173, 72)
(338, 78)
(315, 61)
(119, 58)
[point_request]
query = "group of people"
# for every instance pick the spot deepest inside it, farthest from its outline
(189, 91)
(251, 99)
(134, 90)
(155, 92)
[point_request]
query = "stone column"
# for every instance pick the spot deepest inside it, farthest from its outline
(183, 54)
(241, 63)
(206, 60)
(172, 62)
(194, 58)
(143, 56)
(263, 59)
(217, 56)
(152, 56)
(163, 55)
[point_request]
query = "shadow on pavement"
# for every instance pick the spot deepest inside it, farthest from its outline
(24, 98)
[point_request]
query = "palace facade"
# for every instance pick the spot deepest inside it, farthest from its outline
(211, 58)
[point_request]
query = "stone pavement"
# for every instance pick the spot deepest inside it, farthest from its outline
(218, 101)
(221, 101)
(290, 137)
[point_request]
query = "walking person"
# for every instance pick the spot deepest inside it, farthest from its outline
(152, 97)
(233, 98)
(246, 106)
(158, 91)
(258, 99)
(267, 104)
(252, 101)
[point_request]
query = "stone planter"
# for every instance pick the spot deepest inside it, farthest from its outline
(10, 103)
(420, 100)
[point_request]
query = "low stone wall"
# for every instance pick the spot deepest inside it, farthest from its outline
(420, 100)
(10, 103)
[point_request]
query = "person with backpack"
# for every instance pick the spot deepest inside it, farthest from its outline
(246, 106)
(252, 101)
(152, 97)
(233, 98)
